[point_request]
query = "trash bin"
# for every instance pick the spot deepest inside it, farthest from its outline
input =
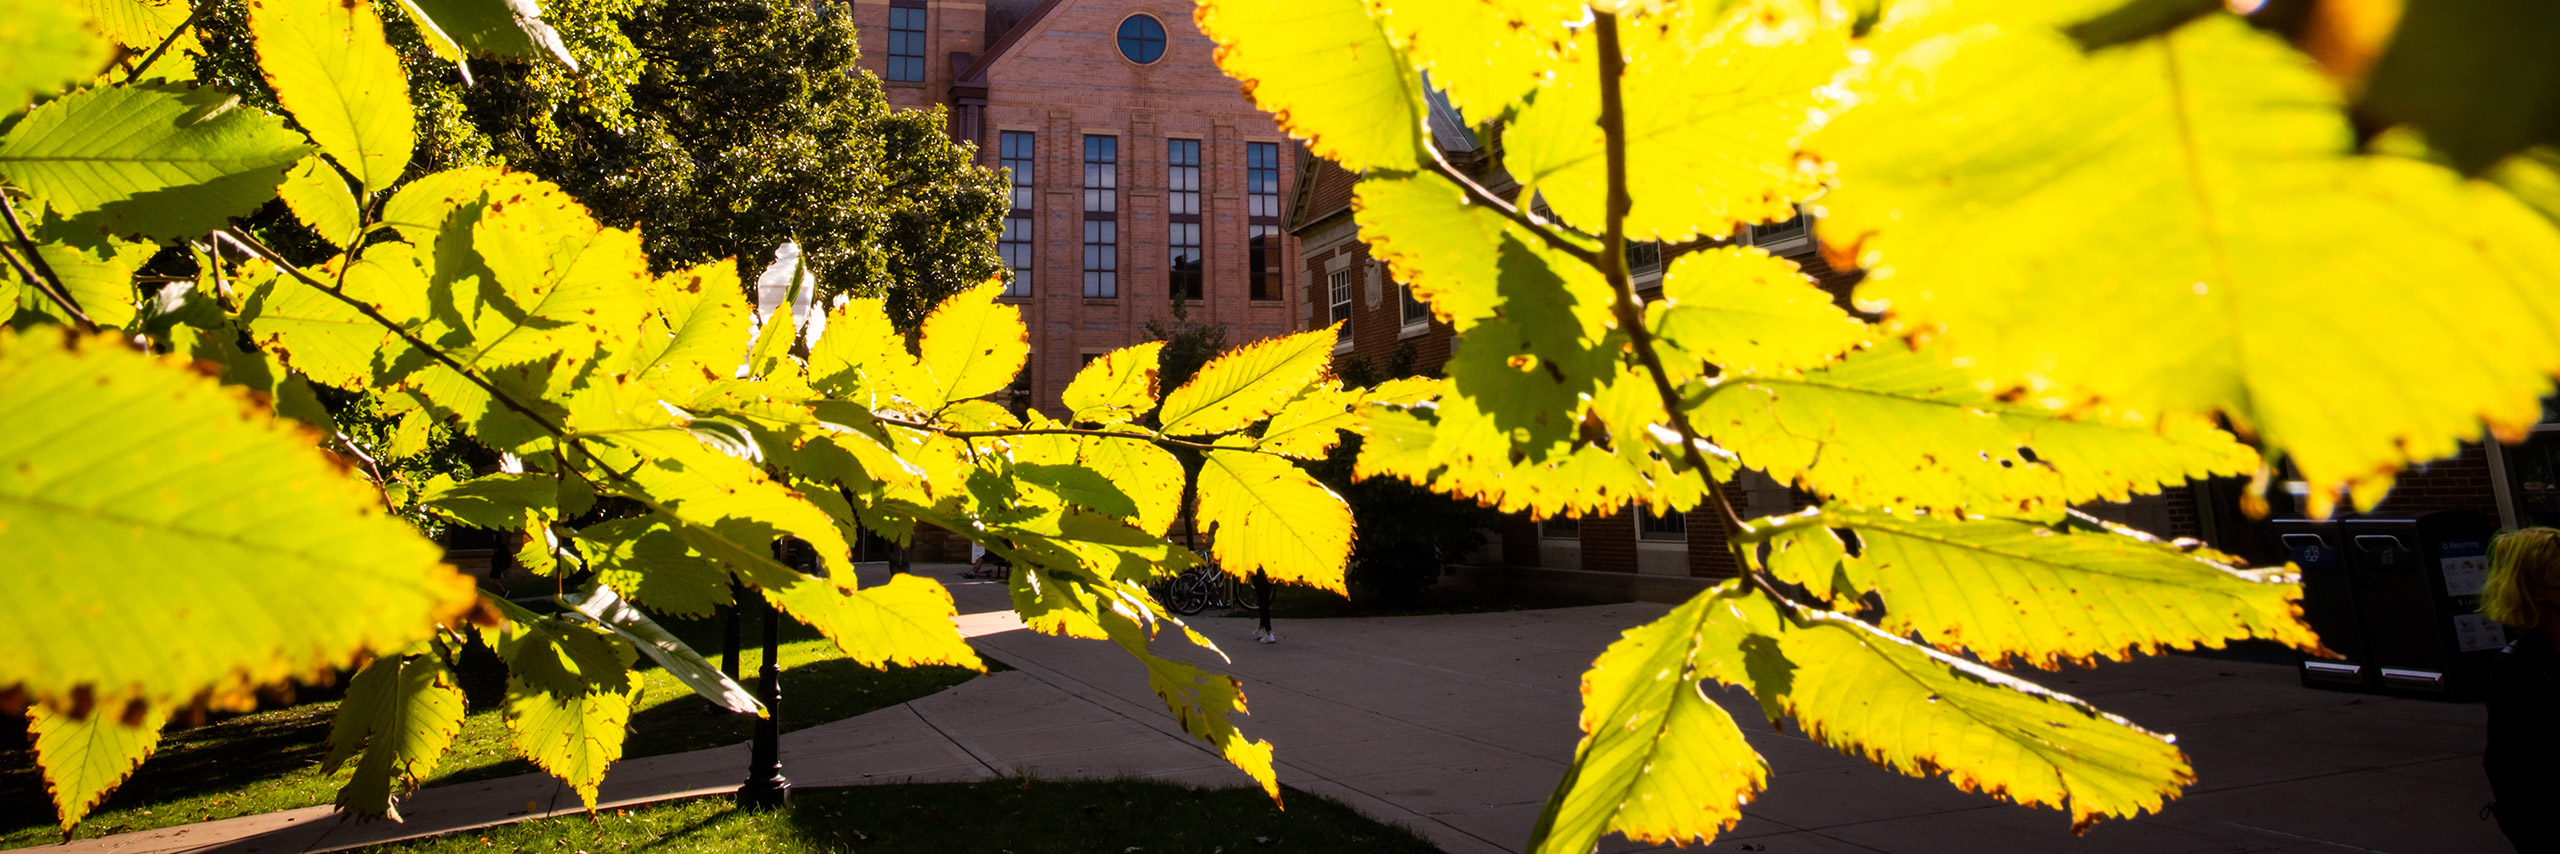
(2316, 549)
(2417, 583)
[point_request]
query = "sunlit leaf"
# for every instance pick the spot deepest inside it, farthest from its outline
(1326, 70)
(400, 714)
(500, 29)
(43, 48)
(156, 159)
(1891, 428)
(862, 358)
(331, 67)
(1718, 99)
(2007, 590)
(1311, 425)
(569, 695)
(1201, 701)
(85, 757)
(600, 604)
(229, 529)
(1923, 713)
(1116, 388)
(318, 197)
(2202, 194)
(1488, 57)
(1741, 309)
(1247, 384)
(1270, 516)
(973, 345)
(496, 501)
(644, 557)
(1658, 761)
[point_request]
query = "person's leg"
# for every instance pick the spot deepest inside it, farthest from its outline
(1262, 591)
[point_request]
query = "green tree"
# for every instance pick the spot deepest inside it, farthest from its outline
(728, 127)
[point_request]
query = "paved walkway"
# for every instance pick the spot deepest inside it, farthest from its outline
(1458, 727)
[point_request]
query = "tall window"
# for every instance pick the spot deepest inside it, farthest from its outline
(1673, 526)
(1415, 313)
(1561, 528)
(906, 41)
(1182, 206)
(1014, 149)
(1341, 311)
(1790, 229)
(1262, 223)
(1101, 217)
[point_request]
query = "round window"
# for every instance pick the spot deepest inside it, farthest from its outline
(1141, 39)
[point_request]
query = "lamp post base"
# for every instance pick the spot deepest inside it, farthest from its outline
(764, 794)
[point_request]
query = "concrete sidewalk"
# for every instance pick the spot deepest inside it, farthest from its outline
(1458, 727)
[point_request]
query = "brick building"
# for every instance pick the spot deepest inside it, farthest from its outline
(1141, 173)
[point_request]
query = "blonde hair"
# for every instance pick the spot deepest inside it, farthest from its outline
(2515, 558)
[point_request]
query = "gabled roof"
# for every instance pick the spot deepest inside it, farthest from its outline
(1023, 22)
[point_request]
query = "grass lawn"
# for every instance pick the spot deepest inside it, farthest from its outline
(269, 761)
(1016, 816)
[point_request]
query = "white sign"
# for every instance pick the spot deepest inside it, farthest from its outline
(2464, 575)
(2476, 632)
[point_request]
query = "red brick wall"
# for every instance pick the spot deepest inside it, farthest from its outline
(1708, 557)
(1519, 540)
(2460, 483)
(1609, 542)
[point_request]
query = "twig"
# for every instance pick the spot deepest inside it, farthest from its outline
(260, 249)
(1613, 265)
(42, 273)
(1478, 194)
(202, 6)
(1049, 431)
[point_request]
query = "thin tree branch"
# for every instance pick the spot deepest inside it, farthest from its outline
(202, 6)
(42, 273)
(1613, 265)
(1477, 193)
(251, 245)
(1049, 431)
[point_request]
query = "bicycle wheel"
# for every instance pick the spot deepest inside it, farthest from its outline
(1247, 596)
(1190, 595)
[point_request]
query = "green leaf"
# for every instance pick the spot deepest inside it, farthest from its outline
(2011, 591)
(2204, 191)
(1270, 516)
(1200, 700)
(701, 316)
(401, 712)
(85, 757)
(500, 29)
(1658, 761)
(317, 333)
(1567, 480)
(44, 48)
(862, 358)
(645, 557)
(670, 652)
(1327, 71)
(229, 529)
(331, 68)
(1743, 310)
(1921, 712)
(727, 507)
(1116, 388)
(1433, 240)
(1311, 425)
(1892, 428)
(1247, 384)
(96, 269)
(156, 159)
(907, 621)
(1148, 474)
(569, 694)
(497, 502)
(1718, 101)
(972, 345)
(318, 197)
(1488, 57)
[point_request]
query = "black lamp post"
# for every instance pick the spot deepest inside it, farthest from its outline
(765, 787)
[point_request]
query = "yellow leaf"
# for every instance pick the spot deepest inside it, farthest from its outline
(1116, 388)
(972, 345)
(1268, 515)
(1325, 69)
(1247, 384)
(85, 758)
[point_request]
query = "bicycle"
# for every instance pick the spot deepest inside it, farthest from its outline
(1202, 587)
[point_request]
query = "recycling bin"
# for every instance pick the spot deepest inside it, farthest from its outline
(2417, 590)
(2316, 549)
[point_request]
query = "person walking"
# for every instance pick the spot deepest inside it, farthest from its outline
(2523, 756)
